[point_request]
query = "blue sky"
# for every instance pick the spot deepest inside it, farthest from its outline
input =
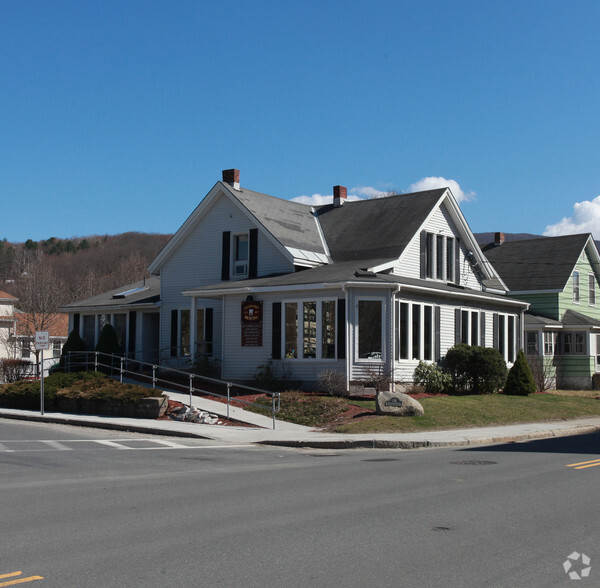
(120, 115)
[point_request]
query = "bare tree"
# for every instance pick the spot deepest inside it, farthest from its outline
(544, 370)
(40, 293)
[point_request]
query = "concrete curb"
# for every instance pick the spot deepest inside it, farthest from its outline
(74, 422)
(407, 444)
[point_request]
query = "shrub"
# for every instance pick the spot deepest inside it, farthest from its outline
(333, 382)
(14, 370)
(206, 365)
(432, 378)
(108, 344)
(475, 369)
(74, 344)
(267, 379)
(520, 380)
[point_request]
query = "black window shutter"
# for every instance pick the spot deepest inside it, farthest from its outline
(208, 329)
(496, 331)
(457, 261)
(423, 254)
(457, 325)
(396, 330)
(438, 335)
(132, 328)
(76, 322)
(341, 328)
(276, 331)
(225, 255)
(253, 254)
(174, 314)
(482, 329)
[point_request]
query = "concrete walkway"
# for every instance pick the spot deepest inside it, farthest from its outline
(290, 435)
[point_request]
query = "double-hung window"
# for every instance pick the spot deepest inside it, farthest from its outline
(576, 286)
(240, 255)
(310, 329)
(550, 338)
(438, 257)
(531, 343)
(415, 331)
(370, 329)
(505, 337)
(591, 289)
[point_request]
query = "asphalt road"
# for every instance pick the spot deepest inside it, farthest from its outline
(87, 508)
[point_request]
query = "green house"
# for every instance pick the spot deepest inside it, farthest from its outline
(559, 277)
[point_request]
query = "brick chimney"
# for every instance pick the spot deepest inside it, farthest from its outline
(339, 195)
(232, 177)
(498, 238)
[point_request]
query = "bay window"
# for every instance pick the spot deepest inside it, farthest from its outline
(310, 329)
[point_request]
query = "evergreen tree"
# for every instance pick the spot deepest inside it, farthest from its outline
(520, 380)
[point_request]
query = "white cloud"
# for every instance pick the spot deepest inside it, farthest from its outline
(320, 199)
(369, 192)
(431, 183)
(585, 219)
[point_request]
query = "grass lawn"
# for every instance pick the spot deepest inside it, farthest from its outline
(452, 412)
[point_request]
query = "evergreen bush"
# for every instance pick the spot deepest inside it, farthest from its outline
(108, 344)
(75, 345)
(520, 380)
(475, 370)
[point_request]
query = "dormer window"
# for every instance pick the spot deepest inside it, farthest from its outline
(240, 255)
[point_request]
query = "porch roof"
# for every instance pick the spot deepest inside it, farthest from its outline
(347, 273)
(142, 293)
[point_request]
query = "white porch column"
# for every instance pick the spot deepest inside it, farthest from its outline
(193, 328)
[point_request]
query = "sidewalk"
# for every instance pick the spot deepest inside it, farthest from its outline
(291, 435)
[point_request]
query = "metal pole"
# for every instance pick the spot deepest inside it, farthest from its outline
(273, 408)
(153, 376)
(191, 389)
(121, 378)
(228, 397)
(95, 361)
(42, 383)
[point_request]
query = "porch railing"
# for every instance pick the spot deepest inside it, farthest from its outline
(173, 379)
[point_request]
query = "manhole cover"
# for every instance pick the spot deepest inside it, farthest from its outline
(440, 528)
(382, 459)
(474, 462)
(323, 454)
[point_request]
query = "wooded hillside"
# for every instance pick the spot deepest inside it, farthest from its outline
(82, 266)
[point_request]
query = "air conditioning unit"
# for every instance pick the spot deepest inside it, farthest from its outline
(241, 268)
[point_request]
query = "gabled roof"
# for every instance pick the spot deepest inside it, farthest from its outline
(376, 228)
(572, 318)
(291, 223)
(6, 297)
(142, 293)
(545, 263)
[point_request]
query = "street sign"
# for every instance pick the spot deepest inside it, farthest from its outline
(42, 340)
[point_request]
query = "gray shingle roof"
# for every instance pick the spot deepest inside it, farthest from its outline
(143, 292)
(545, 263)
(377, 228)
(291, 223)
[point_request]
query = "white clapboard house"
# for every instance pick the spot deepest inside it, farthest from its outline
(352, 286)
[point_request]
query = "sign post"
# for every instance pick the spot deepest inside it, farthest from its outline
(42, 342)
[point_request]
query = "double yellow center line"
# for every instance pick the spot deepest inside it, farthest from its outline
(18, 580)
(584, 464)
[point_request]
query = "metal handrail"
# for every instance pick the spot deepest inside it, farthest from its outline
(119, 364)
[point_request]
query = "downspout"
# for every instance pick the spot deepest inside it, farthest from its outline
(347, 327)
(222, 333)
(393, 333)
